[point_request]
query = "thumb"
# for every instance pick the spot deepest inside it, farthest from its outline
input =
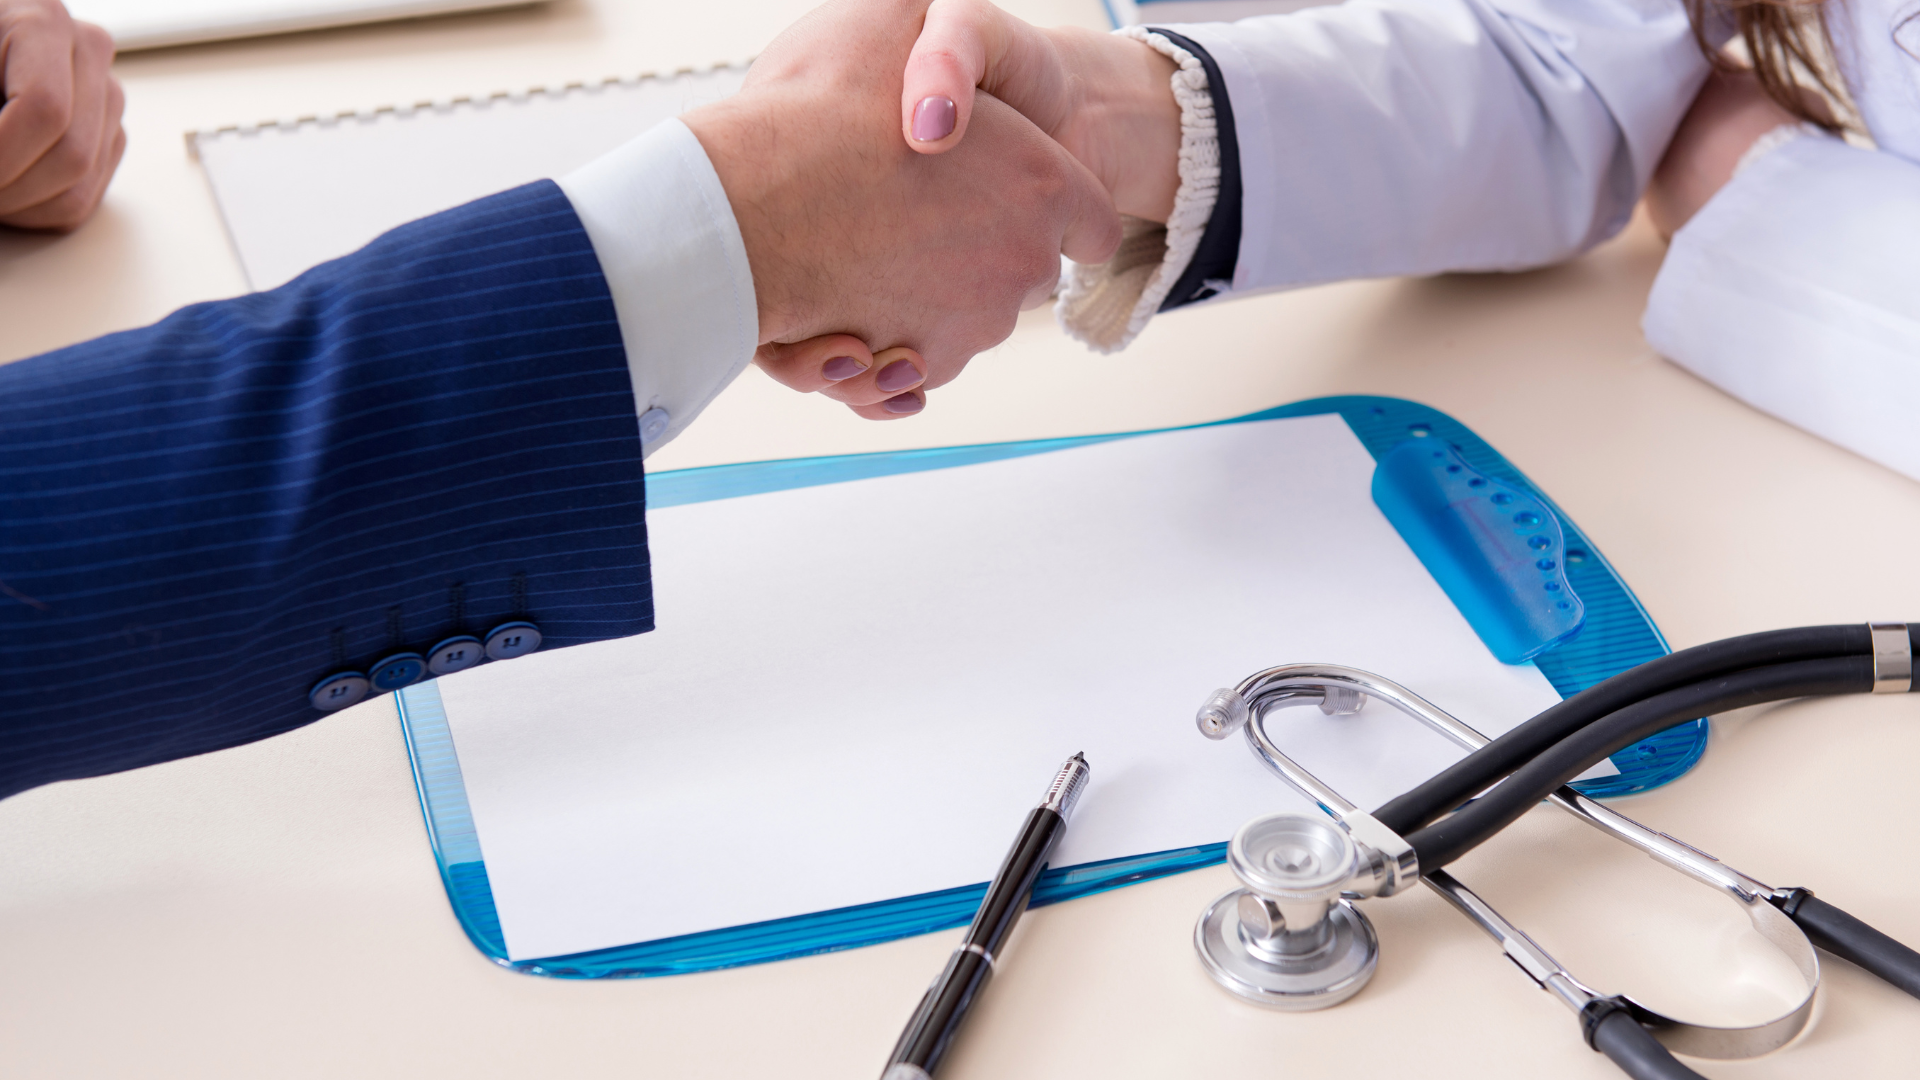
(1093, 231)
(965, 44)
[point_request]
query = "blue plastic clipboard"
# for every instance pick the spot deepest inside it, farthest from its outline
(1611, 633)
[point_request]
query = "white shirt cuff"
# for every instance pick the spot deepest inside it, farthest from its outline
(673, 259)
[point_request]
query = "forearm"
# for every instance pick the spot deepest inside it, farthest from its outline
(209, 517)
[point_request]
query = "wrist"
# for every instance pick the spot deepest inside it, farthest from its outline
(744, 150)
(1125, 123)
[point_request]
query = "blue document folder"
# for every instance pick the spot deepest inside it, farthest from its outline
(1527, 579)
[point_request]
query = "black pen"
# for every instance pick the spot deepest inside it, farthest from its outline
(938, 1018)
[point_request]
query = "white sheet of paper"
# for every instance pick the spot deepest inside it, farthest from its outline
(147, 24)
(297, 194)
(856, 691)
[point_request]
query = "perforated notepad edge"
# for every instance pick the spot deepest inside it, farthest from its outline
(197, 137)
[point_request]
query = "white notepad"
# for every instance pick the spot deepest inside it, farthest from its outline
(146, 24)
(301, 192)
(857, 690)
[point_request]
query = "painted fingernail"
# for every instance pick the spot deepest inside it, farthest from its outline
(933, 119)
(897, 376)
(841, 367)
(903, 405)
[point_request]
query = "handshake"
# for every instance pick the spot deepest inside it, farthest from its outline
(896, 226)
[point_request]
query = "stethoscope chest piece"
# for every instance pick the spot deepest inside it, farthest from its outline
(1288, 940)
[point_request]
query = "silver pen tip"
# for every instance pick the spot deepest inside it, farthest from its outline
(1065, 790)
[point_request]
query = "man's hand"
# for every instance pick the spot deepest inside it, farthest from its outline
(1107, 99)
(60, 136)
(849, 232)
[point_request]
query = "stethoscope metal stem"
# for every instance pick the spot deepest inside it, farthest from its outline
(1539, 965)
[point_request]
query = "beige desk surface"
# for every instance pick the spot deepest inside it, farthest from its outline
(273, 911)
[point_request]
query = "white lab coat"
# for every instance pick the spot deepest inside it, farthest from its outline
(1797, 287)
(1385, 137)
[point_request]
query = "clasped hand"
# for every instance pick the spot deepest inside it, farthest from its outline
(895, 217)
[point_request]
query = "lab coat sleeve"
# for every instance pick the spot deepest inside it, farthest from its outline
(1793, 290)
(1387, 137)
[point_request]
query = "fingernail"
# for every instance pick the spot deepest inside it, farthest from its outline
(841, 367)
(933, 119)
(903, 405)
(897, 376)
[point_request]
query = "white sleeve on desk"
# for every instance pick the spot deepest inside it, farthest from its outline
(673, 258)
(1793, 289)
(1380, 138)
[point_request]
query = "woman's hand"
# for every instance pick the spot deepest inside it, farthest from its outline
(60, 135)
(1107, 99)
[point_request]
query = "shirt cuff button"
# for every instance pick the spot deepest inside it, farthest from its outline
(653, 424)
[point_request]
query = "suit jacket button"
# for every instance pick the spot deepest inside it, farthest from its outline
(336, 692)
(455, 654)
(508, 640)
(396, 671)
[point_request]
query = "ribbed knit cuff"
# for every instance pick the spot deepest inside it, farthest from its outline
(1106, 306)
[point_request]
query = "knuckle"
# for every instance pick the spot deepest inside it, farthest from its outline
(93, 38)
(68, 161)
(977, 12)
(939, 55)
(38, 114)
(41, 18)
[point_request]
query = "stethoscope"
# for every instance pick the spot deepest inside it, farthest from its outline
(1293, 938)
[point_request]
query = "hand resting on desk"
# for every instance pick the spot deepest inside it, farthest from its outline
(60, 134)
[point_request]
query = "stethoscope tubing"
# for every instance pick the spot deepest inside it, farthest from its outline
(1580, 749)
(1581, 746)
(1449, 788)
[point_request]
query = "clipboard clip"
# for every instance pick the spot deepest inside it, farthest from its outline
(1497, 550)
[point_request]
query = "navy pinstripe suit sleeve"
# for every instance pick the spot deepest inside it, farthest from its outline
(202, 518)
